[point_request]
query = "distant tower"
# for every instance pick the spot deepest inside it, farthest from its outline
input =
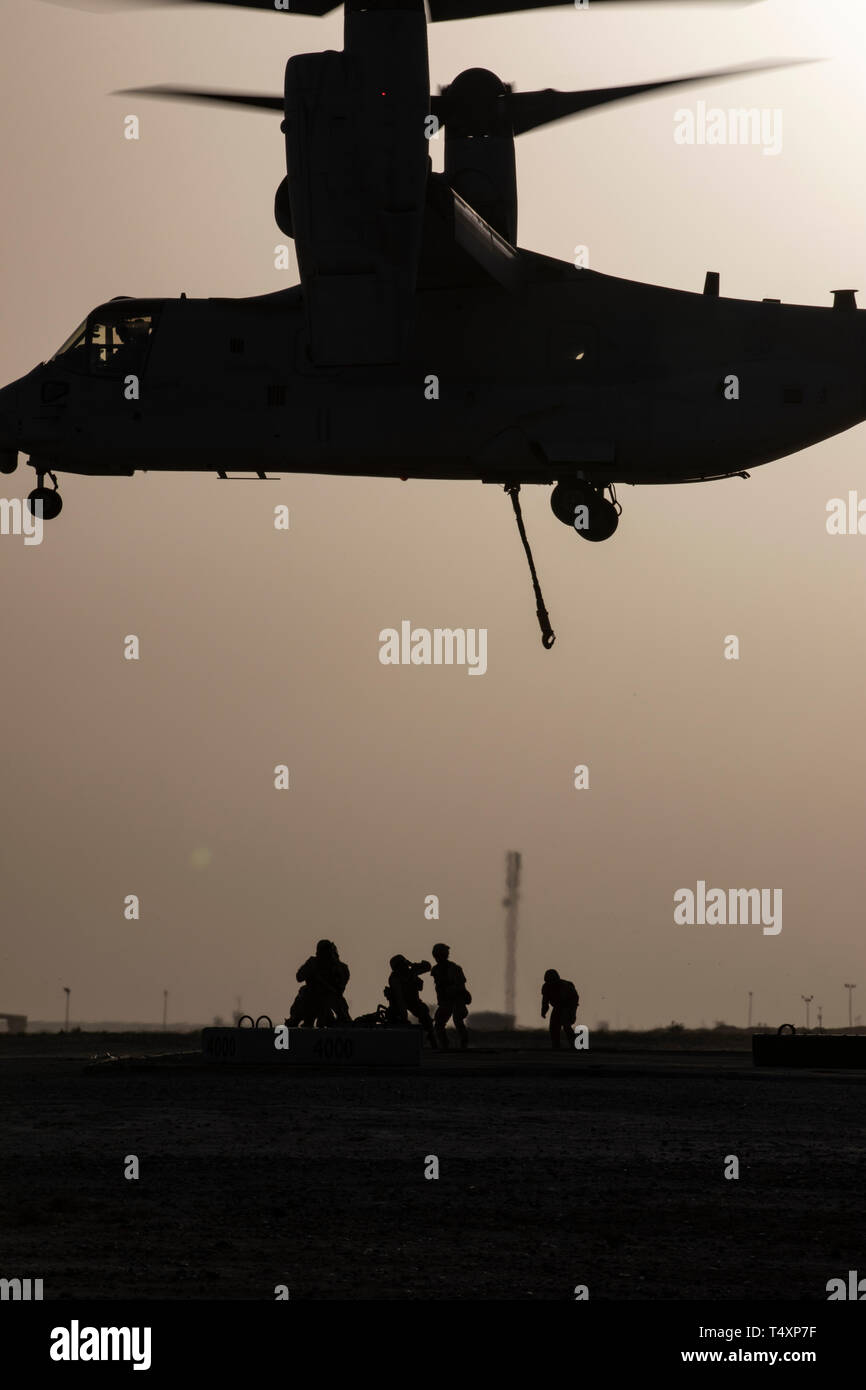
(509, 902)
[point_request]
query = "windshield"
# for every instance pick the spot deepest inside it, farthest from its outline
(75, 339)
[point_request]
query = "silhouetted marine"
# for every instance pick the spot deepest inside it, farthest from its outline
(320, 1000)
(562, 999)
(452, 996)
(403, 993)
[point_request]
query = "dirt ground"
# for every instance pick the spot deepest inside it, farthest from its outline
(600, 1168)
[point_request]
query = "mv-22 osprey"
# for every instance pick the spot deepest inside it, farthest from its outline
(421, 341)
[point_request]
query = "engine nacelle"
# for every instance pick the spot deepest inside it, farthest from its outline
(479, 148)
(357, 163)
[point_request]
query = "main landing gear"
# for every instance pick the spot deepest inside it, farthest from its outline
(49, 497)
(585, 507)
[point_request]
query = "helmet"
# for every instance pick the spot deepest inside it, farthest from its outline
(550, 976)
(397, 961)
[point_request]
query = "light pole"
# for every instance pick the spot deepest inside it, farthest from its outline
(749, 1024)
(66, 991)
(850, 989)
(164, 1008)
(820, 1017)
(807, 999)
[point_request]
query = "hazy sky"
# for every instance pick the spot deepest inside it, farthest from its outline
(261, 647)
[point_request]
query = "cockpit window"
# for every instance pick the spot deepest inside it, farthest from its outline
(75, 339)
(118, 343)
(113, 342)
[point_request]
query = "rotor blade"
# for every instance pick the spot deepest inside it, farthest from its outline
(474, 9)
(439, 9)
(317, 8)
(529, 110)
(248, 99)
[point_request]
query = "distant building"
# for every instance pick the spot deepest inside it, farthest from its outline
(15, 1023)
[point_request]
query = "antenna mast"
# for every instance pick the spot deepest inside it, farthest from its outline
(509, 902)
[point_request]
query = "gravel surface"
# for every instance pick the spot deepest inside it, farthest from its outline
(603, 1169)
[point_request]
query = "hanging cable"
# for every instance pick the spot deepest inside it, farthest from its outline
(548, 637)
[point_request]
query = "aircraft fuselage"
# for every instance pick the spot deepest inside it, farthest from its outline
(573, 374)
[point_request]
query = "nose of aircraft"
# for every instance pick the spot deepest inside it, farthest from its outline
(8, 429)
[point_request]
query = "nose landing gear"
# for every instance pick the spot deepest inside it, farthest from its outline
(47, 498)
(585, 507)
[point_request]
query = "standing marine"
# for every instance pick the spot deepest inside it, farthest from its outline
(452, 996)
(562, 999)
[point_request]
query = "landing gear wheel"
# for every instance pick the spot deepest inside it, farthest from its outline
(586, 508)
(52, 502)
(563, 501)
(602, 522)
